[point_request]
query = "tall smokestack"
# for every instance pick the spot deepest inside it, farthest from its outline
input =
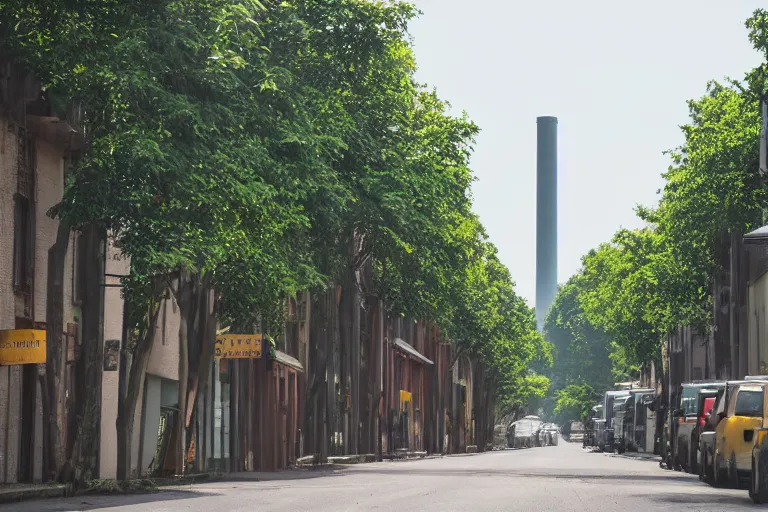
(546, 216)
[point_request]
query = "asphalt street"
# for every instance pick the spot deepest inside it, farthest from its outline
(559, 478)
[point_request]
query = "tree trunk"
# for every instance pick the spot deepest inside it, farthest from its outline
(331, 404)
(347, 338)
(197, 332)
(314, 377)
(54, 447)
(86, 448)
(184, 299)
(126, 412)
(209, 309)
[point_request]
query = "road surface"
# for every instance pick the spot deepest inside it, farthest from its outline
(559, 478)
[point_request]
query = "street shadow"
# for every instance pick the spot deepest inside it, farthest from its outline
(701, 498)
(304, 474)
(93, 502)
(682, 478)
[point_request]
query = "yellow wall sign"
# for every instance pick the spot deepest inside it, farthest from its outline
(22, 346)
(405, 396)
(238, 346)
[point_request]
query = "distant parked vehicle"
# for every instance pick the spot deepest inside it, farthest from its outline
(524, 432)
(639, 422)
(606, 440)
(576, 432)
(619, 414)
(592, 427)
(548, 434)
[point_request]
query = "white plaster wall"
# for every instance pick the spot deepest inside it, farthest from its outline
(116, 264)
(758, 326)
(48, 191)
(164, 360)
(151, 420)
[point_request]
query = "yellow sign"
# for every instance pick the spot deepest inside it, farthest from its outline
(405, 396)
(22, 346)
(238, 346)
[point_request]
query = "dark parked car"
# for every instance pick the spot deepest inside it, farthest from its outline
(696, 399)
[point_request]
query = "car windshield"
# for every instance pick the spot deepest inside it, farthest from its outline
(749, 403)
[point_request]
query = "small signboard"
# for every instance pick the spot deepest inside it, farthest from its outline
(238, 346)
(22, 346)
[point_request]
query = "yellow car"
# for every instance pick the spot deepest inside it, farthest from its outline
(758, 486)
(735, 433)
(758, 483)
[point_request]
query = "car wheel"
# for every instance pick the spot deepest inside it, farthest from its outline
(720, 476)
(694, 458)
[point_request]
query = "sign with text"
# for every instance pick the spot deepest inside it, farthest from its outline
(238, 346)
(22, 346)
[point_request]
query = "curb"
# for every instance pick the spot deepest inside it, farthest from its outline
(33, 492)
(186, 479)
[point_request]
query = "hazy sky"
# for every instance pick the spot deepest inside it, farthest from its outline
(616, 74)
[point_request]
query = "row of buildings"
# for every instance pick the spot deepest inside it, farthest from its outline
(347, 377)
(736, 344)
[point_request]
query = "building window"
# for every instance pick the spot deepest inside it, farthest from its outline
(22, 243)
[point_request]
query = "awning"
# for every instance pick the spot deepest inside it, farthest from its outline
(290, 362)
(758, 236)
(405, 347)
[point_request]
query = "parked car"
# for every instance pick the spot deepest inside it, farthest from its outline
(734, 435)
(706, 448)
(524, 432)
(689, 419)
(619, 414)
(707, 439)
(637, 424)
(606, 439)
(548, 434)
(591, 426)
(576, 432)
(758, 483)
(676, 443)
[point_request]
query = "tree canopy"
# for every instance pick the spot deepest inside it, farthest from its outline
(271, 148)
(645, 283)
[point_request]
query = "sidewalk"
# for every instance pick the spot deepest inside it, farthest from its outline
(637, 456)
(14, 493)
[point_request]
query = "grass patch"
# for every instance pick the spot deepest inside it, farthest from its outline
(138, 486)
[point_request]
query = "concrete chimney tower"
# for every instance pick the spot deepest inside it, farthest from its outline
(546, 216)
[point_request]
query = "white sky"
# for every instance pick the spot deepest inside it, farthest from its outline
(616, 74)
